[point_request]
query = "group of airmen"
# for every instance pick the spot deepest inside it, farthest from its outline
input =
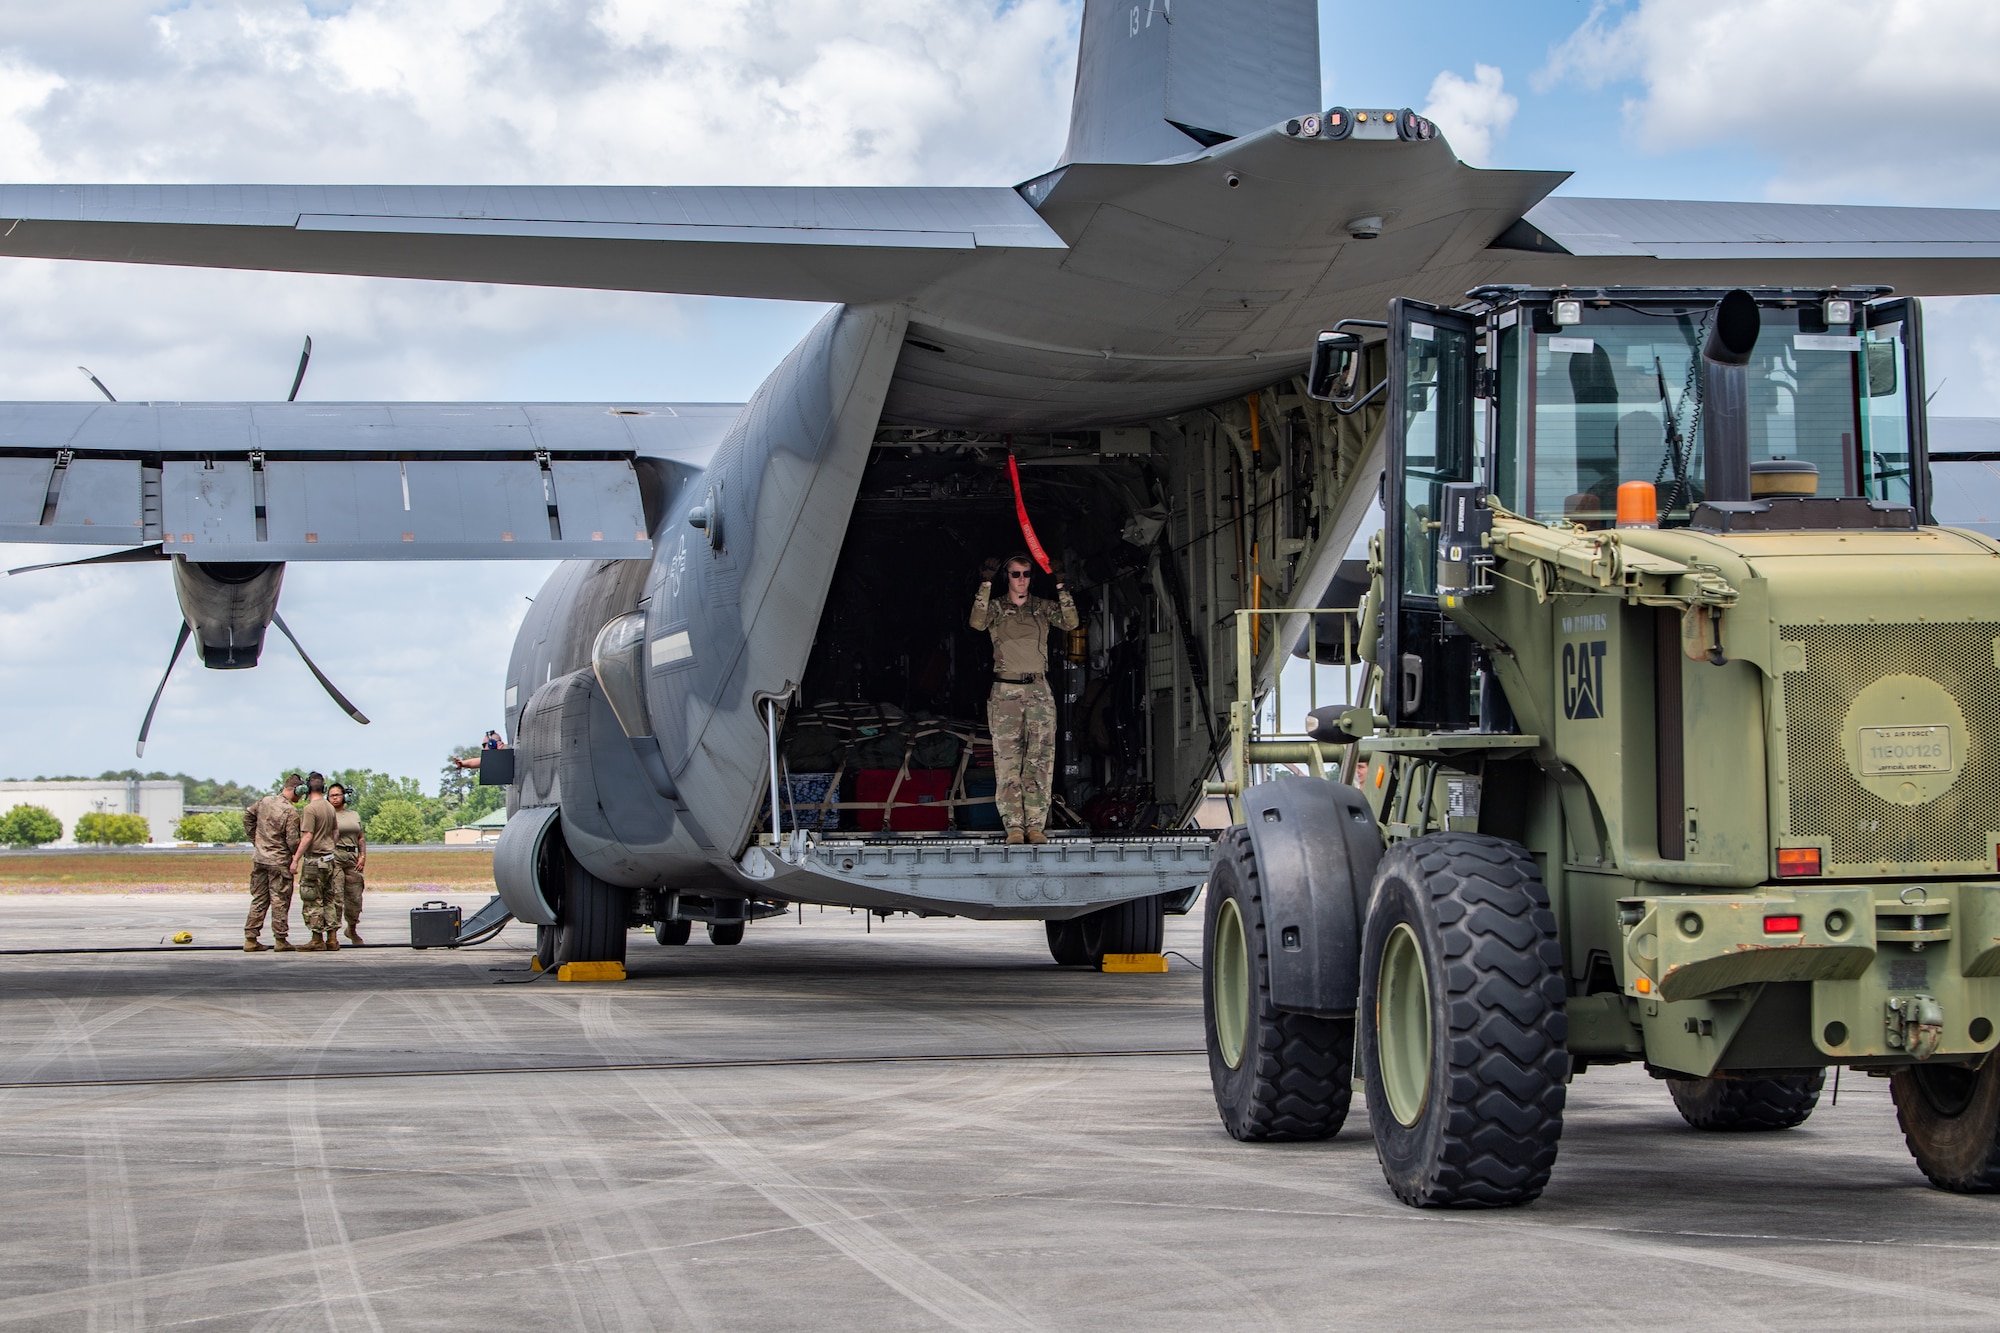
(321, 847)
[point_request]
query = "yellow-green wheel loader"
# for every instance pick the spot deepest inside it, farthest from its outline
(1680, 745)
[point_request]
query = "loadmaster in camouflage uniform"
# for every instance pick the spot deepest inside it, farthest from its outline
(1021, 712)
(313, 863)
(350, 857)
(272, 826)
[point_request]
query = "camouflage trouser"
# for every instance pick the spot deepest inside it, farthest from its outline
(319, 900)
(347, 887)
(1023, 721)
(270, 891)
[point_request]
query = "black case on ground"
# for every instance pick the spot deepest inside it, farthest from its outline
(434, 925)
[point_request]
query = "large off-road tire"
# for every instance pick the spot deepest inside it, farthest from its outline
(1462, 1029)
(1951, 1120)
(672, 932)
(593, 918)
(1139, 926)
(725, 932)
(1066, 943)
(1734, 1104)
(1277, 1076)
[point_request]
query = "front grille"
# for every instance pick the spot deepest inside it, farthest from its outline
(1827, 801)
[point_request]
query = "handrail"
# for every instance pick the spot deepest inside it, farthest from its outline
(1249, 743)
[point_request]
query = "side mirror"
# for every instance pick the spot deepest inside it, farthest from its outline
(1882, 368)
(1336, 368)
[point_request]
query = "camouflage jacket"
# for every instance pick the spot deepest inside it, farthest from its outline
(272, 826)
(1021, 633)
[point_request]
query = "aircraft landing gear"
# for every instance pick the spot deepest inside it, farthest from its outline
(672, 932)
(1067, 943)
(1138, 926)
(725, 932)
(592, 915)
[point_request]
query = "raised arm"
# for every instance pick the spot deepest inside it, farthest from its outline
(982, 602)
(1066, 608)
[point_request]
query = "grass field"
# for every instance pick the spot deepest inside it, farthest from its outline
(166, 871)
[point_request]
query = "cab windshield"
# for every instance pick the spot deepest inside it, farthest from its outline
(1616, 399)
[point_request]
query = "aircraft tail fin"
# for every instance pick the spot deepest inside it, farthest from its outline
(1160, 78)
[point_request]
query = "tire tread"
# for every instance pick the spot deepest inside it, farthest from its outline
(1302, 1066)
(1504, 996)
(1748, 1104)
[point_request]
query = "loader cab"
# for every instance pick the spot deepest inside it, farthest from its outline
(1549, 400)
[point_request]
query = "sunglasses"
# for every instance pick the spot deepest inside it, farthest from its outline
(1020, 573)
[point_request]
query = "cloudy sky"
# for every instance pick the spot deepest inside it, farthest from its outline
(1872, 101)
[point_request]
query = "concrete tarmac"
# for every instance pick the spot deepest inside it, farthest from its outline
(794, 1133)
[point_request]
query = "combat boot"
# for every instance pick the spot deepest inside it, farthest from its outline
(316, 946)
(252, 946)
(1037, 837)
(332, 942)
(353, 938)
(1014, 837)
(283, 946)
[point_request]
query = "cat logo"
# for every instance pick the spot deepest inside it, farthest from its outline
(1583, 680)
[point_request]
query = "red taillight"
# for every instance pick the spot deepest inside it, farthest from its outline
(1796, 861)
(1781, 925)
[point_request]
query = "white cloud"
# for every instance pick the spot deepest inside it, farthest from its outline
(727, 91)
(1851, 99)
(570, 91)
(1474, 113)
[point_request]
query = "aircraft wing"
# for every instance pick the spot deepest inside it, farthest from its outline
(1920, 251)
(816, 243)
(348, 481)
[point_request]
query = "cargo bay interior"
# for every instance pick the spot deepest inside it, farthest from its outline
(1164, 529)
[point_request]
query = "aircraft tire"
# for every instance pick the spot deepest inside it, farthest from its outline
(593, 912)
(1734, 1105)
(545, 946)
(1278, 1077)
(1136, 927)
(1950, 1117)
(672, 932)
(725, 932)
(1066, 944)
(1462, 1031)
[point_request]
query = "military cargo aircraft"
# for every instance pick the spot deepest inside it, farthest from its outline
(752, 684)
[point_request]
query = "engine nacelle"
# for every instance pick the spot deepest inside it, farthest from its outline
(229, 606)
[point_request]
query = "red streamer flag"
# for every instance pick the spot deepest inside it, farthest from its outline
(1021, 512)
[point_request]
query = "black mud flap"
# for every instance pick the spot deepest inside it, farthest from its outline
(1317, 846)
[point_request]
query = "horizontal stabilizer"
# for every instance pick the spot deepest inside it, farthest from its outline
(815, 243)
(1919, 251)
(344, 481)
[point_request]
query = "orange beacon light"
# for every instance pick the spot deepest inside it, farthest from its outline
(1638, 505)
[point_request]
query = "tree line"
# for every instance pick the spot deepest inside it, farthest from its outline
(394, 810)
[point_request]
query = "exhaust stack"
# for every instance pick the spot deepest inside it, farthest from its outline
(1725, 394)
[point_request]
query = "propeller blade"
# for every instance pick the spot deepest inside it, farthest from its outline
(132, 555)
(98, 382)
(318, 675)
(305, 358)
(147, 725)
